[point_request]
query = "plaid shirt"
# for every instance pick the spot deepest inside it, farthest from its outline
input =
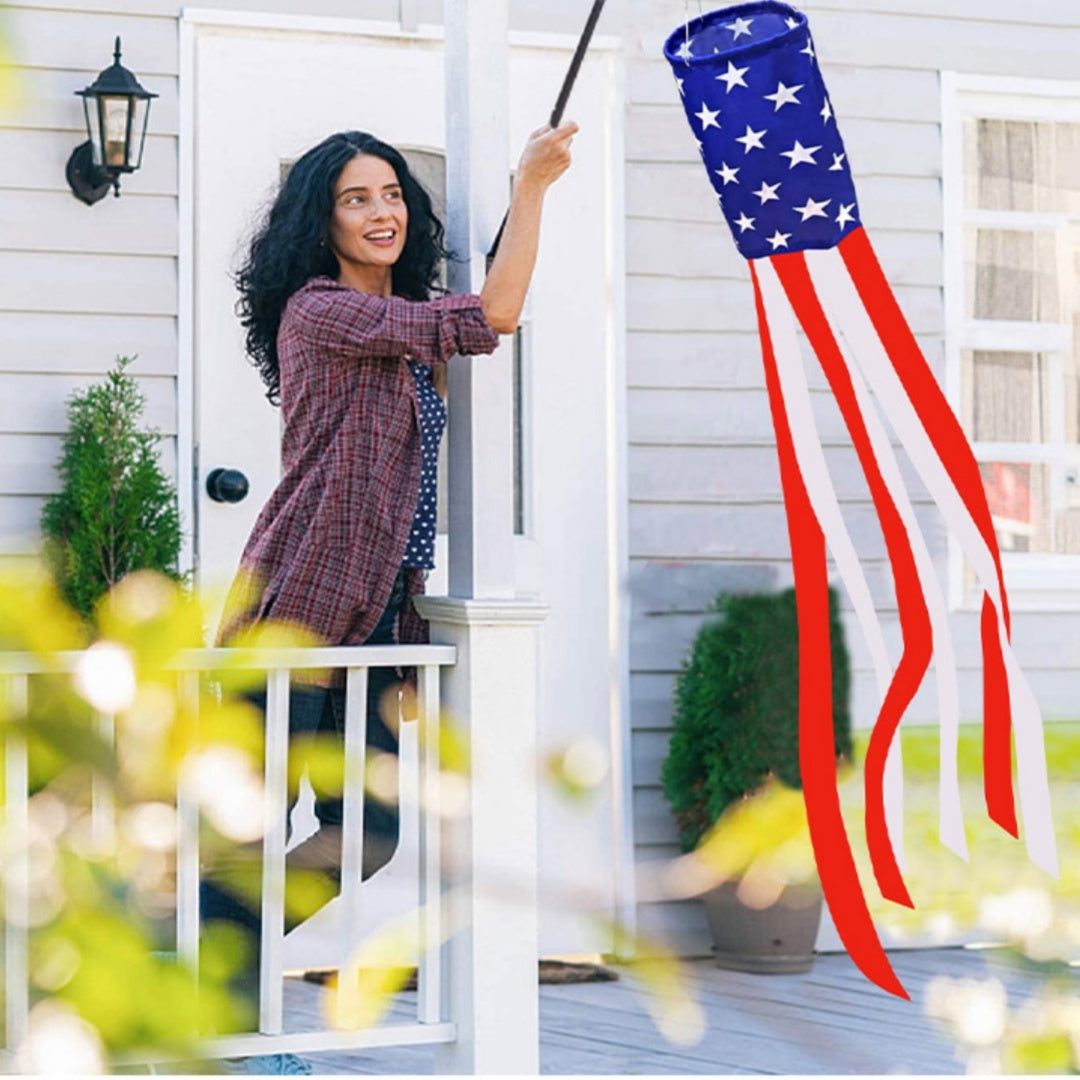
(328, 545)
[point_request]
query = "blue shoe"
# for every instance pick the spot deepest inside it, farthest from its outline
(268, 1065)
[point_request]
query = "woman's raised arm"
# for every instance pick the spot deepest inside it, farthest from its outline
(545, 158)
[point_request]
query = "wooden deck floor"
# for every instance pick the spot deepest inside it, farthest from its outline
(828, 1021)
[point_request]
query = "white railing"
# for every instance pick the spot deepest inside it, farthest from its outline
(432, 1024)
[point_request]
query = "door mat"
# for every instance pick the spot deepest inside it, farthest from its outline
(552, 973)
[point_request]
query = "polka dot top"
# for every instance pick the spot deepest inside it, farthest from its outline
(420, 550)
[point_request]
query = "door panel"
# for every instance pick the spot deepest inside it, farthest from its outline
(262, 98)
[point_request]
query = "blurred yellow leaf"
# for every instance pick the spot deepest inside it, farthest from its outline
(380, 968)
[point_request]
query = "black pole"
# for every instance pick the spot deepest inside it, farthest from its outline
(564, 95)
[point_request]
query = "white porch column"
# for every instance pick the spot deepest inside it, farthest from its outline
(490, 968)
(490, 990)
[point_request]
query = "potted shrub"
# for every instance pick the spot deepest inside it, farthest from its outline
(735, 729)
(115, 511)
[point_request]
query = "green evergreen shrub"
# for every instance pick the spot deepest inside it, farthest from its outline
(736, 719)
(115, 511)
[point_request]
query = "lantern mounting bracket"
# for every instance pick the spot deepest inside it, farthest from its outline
(85, 179)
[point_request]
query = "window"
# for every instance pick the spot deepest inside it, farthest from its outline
(1012, 242)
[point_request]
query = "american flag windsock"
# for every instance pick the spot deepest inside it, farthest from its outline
(759, 110)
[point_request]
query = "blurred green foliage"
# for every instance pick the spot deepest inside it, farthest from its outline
(1023, 1016)
(104, 976)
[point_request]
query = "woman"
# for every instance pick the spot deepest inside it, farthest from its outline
(335, 298)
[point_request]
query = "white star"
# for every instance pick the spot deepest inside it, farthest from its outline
(812, 209)
(837, 163)
(739, 27)
(791, 23)
(727, 174)
(845, 216)
(752, 139)
(779, 239)
(809, 50)
(826, 111)
(679, 83)
(767, 192)
(733, 76)
(745, 222)
(785, 95)
(708, 117)
(683, 52)
(799, 153)
(700, 148)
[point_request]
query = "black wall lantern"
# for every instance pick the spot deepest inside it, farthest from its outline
(117, 109)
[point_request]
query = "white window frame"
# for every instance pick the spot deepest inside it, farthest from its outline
(1035, 581)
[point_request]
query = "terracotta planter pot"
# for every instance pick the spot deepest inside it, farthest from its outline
(777, 940)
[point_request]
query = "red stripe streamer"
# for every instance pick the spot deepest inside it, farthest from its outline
(914, 616)
(817, 740)
(948, 438)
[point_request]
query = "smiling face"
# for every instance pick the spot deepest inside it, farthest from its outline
(367, 227)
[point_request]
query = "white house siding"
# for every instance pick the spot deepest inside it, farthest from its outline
(79, 285)
(705, 507)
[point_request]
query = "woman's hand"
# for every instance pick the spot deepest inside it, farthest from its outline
(545, 158)
(546, 155)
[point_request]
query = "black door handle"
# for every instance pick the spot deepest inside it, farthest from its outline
(227, 485)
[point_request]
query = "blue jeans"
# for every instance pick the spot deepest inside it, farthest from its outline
(316, 711)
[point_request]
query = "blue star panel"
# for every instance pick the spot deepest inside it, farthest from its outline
(758, 107)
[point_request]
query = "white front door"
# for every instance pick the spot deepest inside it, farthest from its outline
(265, 91)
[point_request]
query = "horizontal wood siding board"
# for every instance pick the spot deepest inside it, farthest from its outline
(27, 464)
(19, 517)
(671, 304)
(57, 222)
(47, 102)
(88, 283)
(658, 14)
(1044, 642)
(874, 147)
(756, 532)
(64, 343)
(717, 358)
(693, 473)
(34, 160)
(379, 10)
(736, 415)
(32, 404)
(78, 40)
(680, 192)
(865, 91)
(956, 36)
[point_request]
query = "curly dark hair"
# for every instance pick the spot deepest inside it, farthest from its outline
(290, 246)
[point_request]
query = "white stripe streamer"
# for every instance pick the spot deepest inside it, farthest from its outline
(950, 810)
(843, 300)
(819, 486)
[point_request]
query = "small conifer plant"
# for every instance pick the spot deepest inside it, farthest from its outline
(116, 511)
(736, 720)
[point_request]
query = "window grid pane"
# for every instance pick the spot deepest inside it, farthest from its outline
(1006, 396)
(1022, 274)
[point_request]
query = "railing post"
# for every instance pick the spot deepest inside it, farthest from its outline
(187, 840)
(271, 945)
(352, 838)
(430, 1008)
(490, 963)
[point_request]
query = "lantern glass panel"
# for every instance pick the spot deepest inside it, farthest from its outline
(115, 109)
(140, 113)
(93, 128)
